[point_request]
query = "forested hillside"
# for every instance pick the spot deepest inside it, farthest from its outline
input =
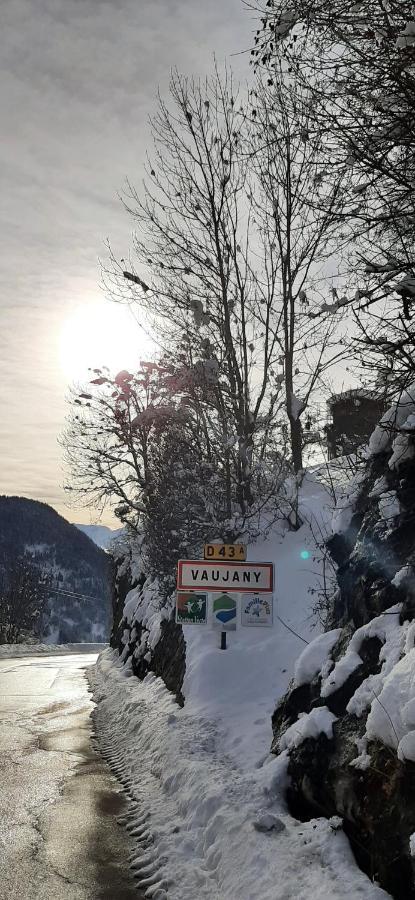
(77, 572)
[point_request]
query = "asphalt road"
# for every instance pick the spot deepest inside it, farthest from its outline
(59, 839)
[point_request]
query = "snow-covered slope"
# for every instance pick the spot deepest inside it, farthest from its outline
(240, 686)
(80, 573)
(207, 797)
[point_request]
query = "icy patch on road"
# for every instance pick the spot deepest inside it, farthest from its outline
(206, 827)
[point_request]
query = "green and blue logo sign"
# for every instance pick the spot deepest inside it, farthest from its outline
(224, 612)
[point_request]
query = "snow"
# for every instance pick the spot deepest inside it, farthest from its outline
(216, 824)
(389, 506)
(315, 656)
(143, 605)
(341, 672)
(345, 506)
(387, 629)
(37, 549)
(308, 725)
(240, 686)
(13, 650)
(207, 797)
(402, 447)
(406, 38)
(379, 487)
(363, 760)
(400, 576)
(205, 826)
(340, 301)
(394, 417)
(392, 719)
(389, 695)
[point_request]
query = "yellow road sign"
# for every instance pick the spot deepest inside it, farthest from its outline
(225, 551)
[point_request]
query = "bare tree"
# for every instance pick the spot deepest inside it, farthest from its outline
(357, 62)
(299, 210)
(226, 250)
(119, 447)
(23, 600)
(107, 438)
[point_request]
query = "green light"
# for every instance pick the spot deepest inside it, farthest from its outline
(305, 554)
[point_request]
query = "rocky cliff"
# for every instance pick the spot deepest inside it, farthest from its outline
(347, 724)
(144, 629)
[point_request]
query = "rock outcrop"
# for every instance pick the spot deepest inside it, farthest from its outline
(144, 630)
(359, 762)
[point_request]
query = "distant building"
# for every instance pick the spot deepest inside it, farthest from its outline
(353, 416)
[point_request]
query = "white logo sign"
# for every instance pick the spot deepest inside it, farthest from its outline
(256, 609)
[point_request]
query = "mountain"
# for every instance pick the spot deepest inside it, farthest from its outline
(101, 535)
(74, 563)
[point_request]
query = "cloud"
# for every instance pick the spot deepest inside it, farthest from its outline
(78, 81)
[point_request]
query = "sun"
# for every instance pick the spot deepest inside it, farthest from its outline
(101, 334)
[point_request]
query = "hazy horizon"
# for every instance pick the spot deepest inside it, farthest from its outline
(78, 84)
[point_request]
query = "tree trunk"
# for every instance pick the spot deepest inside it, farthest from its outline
(296, 444)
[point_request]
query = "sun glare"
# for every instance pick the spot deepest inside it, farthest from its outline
(101, 334)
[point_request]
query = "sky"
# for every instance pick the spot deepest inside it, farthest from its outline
(78, 81)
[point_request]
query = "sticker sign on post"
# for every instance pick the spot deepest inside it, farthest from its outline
(191, 608)
(194, 574)
(256, 610)
(224, 608)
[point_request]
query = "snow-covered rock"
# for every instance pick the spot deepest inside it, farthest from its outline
(308, 725)
(315, 656)
(348, 723)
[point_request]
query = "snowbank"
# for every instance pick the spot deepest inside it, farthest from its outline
(207, 797)
(13, 650)
(345, 506)
(206, 827)
(394, 430)
(388, 696)
(240, 687)
(387, 629)
(392, 718)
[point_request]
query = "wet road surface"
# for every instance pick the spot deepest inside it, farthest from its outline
(59, 839)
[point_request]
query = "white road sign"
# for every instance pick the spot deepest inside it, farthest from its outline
(256, 610)
(194, 574)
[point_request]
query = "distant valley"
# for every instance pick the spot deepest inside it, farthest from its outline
(101, 535)
(77, 571)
